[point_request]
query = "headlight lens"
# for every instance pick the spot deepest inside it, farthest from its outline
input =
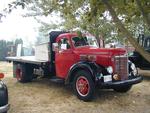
(133, 66)
(134, 70)
(110, 70)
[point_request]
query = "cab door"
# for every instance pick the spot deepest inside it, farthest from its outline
(64, 57)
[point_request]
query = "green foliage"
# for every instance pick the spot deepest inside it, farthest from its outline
(93, 16)
(2, 49)
(18, 41)
(90, 15)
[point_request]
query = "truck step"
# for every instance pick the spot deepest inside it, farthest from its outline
(57, 80)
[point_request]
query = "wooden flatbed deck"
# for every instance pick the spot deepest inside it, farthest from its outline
(26, 59)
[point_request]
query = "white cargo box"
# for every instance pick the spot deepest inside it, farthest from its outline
(41, 52)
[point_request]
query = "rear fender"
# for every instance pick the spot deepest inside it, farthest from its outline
(3, 94)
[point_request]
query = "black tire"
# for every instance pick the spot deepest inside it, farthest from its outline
(24, 73)
(85, 75)
(123, 89)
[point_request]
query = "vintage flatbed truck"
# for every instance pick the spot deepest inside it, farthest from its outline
(77, 60)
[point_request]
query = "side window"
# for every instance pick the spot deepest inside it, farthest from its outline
(80, 41)
(63, 43)
(66, 41)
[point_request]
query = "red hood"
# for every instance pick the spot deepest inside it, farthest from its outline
(100, 51)
(104, 55)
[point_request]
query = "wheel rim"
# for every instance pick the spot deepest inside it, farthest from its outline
(82, 86)
(18, 74)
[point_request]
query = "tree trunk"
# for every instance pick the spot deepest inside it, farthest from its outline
(126, 33)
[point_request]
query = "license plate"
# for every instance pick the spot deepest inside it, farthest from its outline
(107, 78)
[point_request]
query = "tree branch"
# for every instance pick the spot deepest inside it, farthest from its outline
(126, 33)
(144, 14)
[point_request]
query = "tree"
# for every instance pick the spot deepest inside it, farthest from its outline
(75, 15)
(2, 49)
(91, 12)
(18, 41)
(129, 36)
(11, 6)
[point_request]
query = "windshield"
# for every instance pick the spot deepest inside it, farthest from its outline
(85, 41)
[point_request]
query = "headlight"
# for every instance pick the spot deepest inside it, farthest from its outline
(110, 70)
(133, 66)
(134, 70)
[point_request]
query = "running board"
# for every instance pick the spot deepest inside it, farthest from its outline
(57, 80)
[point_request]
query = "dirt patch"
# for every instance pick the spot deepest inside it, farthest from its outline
(42, 96)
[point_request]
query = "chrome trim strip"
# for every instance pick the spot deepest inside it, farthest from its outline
(4, 108)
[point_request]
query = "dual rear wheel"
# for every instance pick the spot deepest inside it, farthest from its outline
(24, 73)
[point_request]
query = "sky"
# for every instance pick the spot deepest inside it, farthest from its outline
(15, 26)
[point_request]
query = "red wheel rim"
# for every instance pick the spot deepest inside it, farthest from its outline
(82, 86)
(18, 74)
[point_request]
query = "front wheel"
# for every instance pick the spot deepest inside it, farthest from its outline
(123, 89)
(83, 85)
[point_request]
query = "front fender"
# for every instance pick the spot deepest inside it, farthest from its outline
(3, 94)
(89, 66)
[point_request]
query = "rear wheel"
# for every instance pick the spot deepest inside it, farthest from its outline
(123, 89)
(83, 85)
(24, 73)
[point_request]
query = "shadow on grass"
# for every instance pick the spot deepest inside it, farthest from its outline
(102, 95)
(146, 77)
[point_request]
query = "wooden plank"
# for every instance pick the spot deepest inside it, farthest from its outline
(26, 59)
(41, 52)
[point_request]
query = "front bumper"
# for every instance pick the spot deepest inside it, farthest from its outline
(4, 108)
(114, 84)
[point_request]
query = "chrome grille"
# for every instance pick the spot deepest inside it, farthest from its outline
(121, 67)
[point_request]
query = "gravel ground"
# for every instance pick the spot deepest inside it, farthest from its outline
(42, 96)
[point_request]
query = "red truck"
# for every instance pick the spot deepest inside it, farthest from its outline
(77, 60)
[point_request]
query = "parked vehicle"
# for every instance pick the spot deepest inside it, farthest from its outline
(137, 58)
(77, 60)
(4, 106)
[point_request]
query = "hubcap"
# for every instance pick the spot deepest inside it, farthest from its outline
(82, 86)
(18, 74)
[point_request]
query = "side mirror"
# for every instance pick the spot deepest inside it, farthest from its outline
(55, 47)
(1, 75)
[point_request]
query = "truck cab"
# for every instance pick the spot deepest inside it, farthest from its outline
(76, 59)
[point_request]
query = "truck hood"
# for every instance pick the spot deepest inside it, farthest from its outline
(103, 55)
(100, 51)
